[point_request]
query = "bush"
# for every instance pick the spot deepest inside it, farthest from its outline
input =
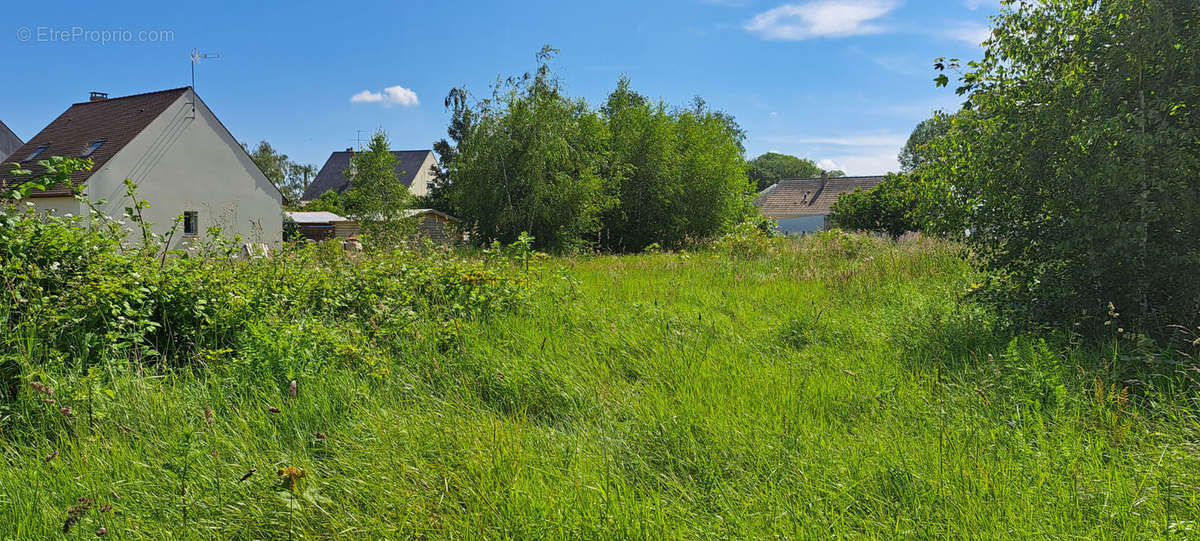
(1076, 168)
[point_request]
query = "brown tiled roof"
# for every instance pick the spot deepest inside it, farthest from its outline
(117, 121)
(806, 197)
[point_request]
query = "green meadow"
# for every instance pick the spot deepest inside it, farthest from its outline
(833, 387)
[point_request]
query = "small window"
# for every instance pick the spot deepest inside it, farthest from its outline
(36, 152)
(92, 148)
(191, 223)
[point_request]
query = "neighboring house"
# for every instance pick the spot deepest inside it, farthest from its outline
(183, 160)
(9, 142)
(432, 224)
(413, 169)
(324, 225)
(804, 205)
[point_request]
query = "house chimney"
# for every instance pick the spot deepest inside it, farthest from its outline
(351, 149)
(824, 179)
(98, 96)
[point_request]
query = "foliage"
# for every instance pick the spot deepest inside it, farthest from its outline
(290, 177)
(772, 167)
(531, 159)
(534, 161)
(668, 395)
(376, 197)
(1077, 169)
(913, 155)
(330, 201)
(461, 120)
(680, 173)
(889, 207)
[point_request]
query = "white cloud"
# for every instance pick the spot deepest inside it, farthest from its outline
(366, 96)
(392, 95)
(828, 165)
(821, 18)
(971, 33)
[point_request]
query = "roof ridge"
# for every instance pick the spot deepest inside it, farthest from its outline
(143, 94)
(833, 178)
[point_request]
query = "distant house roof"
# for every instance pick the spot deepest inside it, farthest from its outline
(792, 198)
(114, 121)
(8, 142)
(316, 217)
(332, 174)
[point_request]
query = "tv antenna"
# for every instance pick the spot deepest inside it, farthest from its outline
(359, 138)
(197, 56)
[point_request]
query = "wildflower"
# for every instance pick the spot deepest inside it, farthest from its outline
(273, 409)
(106, 508)
(49, 401)
(292, 388)
(65, 410)
(42, 388)
(290, 476)
(319, 435)
(101, 532)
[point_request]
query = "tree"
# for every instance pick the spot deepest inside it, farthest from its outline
(533, 161)
(376, 197)
(888, 207)
(438, 196)
(289, 177)
(677, 174)
(772, 167)
(914, 153)
(1076, 165)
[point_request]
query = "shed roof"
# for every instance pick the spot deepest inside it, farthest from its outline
(316, 217)
(791, 198)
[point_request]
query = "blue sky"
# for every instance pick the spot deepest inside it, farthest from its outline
(842, 82)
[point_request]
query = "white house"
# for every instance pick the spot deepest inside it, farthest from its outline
(803, 205)
(183, 160)
(414, 168)
(9, 142)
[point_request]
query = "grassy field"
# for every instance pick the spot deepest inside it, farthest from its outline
(834, 387)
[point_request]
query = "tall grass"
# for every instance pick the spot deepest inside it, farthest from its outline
(832, 387)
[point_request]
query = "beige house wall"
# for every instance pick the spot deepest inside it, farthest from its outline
(420, 183)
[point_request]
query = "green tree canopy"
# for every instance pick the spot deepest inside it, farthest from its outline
(375, 191)
(1076, 167)
(289, 177)
(889, 207)
(680, 173)
(533, 161)
(916, 149)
